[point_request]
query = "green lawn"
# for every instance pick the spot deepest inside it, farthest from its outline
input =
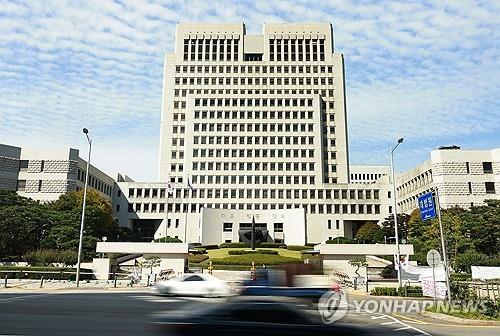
(222, 253)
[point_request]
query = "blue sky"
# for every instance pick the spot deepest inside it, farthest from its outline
(425, 70)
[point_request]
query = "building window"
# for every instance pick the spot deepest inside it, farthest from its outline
(470, 188)
(278, 227)
(39, 185)
(23, 165)
(228, 227)
(487, 168)
(490, 187)
(329, 224)
(42, 165)
(21, 185)
(118, 208)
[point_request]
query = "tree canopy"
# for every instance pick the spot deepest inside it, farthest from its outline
(27, 225)
(471, 236)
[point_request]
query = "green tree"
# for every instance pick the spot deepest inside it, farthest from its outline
(387, 229)
(368, 232)
(358, 263)
(151, 262)
(23, 224)
(99, 222)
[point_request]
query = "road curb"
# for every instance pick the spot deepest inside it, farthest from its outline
(459, 320)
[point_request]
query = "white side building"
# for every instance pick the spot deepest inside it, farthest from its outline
(44, 174)
(463, 177)
(368, 173)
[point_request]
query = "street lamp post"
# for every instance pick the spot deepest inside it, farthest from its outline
(80, 243)
(394, 211)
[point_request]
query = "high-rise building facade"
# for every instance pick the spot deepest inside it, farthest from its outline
(258, 125)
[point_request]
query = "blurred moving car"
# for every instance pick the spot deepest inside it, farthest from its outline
(193, 285)
(257, 318)
(273, 283)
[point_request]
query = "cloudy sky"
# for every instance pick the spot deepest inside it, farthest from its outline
(428, 71)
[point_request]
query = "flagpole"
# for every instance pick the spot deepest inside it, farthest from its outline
(186, 218)
(166, 217)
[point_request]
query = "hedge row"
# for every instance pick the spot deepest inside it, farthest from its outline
(233, 245)
(197, 258)
(341, 240)
(242, 252)
(54, 273)
(297, 247)
(209, 247)
(259, 259)
(414, 291)
(272, 245)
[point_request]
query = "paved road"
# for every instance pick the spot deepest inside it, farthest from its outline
(129, 313)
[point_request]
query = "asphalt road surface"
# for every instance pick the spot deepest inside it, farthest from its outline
(107, 312)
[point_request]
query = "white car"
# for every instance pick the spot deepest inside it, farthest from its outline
(194, 285)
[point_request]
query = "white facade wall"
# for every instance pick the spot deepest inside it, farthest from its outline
(45, 174)
(258, 123)
(368, 173)
(459, 176)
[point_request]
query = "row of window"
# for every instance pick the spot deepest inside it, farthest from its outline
(95, 183)
(249, 114)
(365, 176)
(296, 50)
(256, 127)
(255, 81)
(278, 69)
(255, 140)
(253, 102)
(253, 166)
(211, 50)
(326, 194)
(253, 153)
(184, 92)
(309, 208)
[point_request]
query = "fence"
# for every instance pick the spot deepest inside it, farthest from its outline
(485, 289)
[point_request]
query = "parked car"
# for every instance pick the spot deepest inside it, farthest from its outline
(193, 285)
(256, 318)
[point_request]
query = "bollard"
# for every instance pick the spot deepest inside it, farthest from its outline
(41, 282)
(6, 276)
(114, 280)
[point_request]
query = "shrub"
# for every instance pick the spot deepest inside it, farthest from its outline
(341, 240)
(384, 291)
(297, 247)
(242, 252)
(197, 258)
(389, 272)
(168, 240)
(272, 245)
(210, 247)
(311, 244)
(465, 260)
(233, 245)
(44, 257)
(200, 250)
(68, 257)
(368, 232)
(259, 259)
(460, 276)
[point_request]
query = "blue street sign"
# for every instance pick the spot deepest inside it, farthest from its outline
(426, 205)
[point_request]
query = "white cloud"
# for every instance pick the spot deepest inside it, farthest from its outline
(423, 70)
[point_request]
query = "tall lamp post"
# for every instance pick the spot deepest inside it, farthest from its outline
(394, 211)
(80, 243)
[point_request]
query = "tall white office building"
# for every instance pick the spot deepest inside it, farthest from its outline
(258, 124)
